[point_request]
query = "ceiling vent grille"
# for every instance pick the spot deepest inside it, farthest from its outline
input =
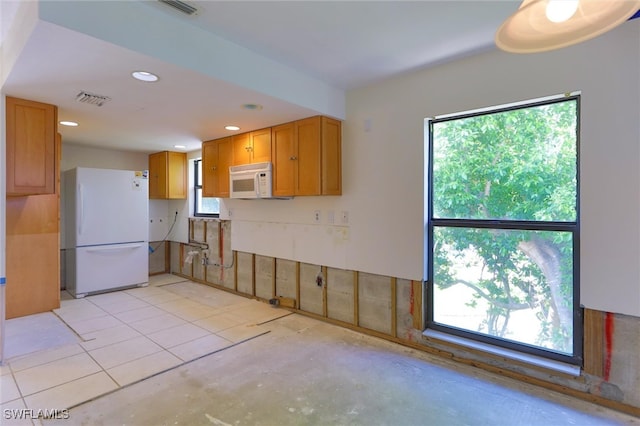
(181, 6)
(93, 99)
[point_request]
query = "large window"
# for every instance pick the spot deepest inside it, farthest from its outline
(204, 206)
(503, 231)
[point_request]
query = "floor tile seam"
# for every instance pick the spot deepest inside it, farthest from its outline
(166, 369)
(102, 305)
(43, 363)
(63, 383)
(209, 333)
(15, 383)
(139, 334)
(180, 325)
(88, 299)
(132, 309)
(78, 334)
(160, 349)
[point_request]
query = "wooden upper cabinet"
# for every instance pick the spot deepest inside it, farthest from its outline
(307, 157)
(30, 147)
(261, 146)
(331, 156)
(252, 147)
(168, 175)
(216, 158)
(283, 142)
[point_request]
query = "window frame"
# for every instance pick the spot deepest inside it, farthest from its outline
(197, 185)
(576, 357)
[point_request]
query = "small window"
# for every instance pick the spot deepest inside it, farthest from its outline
(204, 206)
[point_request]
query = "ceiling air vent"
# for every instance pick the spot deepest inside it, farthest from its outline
(181, 6)
(93, 99)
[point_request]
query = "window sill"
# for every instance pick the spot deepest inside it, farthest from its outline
(536, 361)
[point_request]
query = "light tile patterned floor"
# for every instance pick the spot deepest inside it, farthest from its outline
(122, 337)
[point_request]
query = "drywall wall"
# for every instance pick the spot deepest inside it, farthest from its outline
(609, 148)
(86, 156)
(383, 166)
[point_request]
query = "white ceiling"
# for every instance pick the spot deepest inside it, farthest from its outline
(296, 58)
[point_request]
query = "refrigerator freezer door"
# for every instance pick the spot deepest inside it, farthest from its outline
(102, 268)
(108, 206)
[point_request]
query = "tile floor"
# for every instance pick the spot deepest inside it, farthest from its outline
(101, 343)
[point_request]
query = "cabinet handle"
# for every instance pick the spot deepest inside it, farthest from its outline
(293, 157)
(214, 168)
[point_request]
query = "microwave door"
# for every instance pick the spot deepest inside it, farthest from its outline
(256, 184)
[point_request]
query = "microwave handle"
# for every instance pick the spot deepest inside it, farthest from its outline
(257, 185)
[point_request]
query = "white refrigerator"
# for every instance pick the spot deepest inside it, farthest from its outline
(106, 229)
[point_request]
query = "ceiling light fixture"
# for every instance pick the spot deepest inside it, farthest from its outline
(232, 127)
(145, 76)
(180, 146)
(542, 25)
(69, 123)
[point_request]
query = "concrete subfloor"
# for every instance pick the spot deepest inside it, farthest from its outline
(306, 372)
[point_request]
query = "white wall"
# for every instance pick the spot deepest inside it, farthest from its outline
(383, 166)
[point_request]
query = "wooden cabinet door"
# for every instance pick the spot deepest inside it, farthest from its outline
(241, 149)
(261, 146)
(30, 147)
(209, 165)
(284, 157)
(176, 175)
(331, 156)
(158, 175)
(308, 156)
(225, 157)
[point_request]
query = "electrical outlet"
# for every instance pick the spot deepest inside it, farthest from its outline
(344, 217)
(230, 212)
(316, 216)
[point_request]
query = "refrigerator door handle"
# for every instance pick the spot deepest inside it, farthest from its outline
(81, 209)
(114, 248)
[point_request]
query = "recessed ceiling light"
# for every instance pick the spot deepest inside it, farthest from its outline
(252, 107)
(69, 123)
(232, 127)
(144, 76)
(180, 146)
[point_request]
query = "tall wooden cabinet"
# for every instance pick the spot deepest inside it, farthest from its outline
(32, 208)
(216, 158)
(30, 147)
(168, 175)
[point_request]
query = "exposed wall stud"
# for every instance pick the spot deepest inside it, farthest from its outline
(356, 303)
(273, 277)
(253, 274)
(298, 284)
(325, 299)
(394, 309)
(594, 342)
(416, 304)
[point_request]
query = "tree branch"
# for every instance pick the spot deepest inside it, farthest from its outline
(510, 306)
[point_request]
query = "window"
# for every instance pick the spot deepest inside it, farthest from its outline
(204, 206)
(503, 229)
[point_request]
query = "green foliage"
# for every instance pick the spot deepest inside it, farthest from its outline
(513, 165)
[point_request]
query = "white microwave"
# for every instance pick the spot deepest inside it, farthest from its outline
(251, 181)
